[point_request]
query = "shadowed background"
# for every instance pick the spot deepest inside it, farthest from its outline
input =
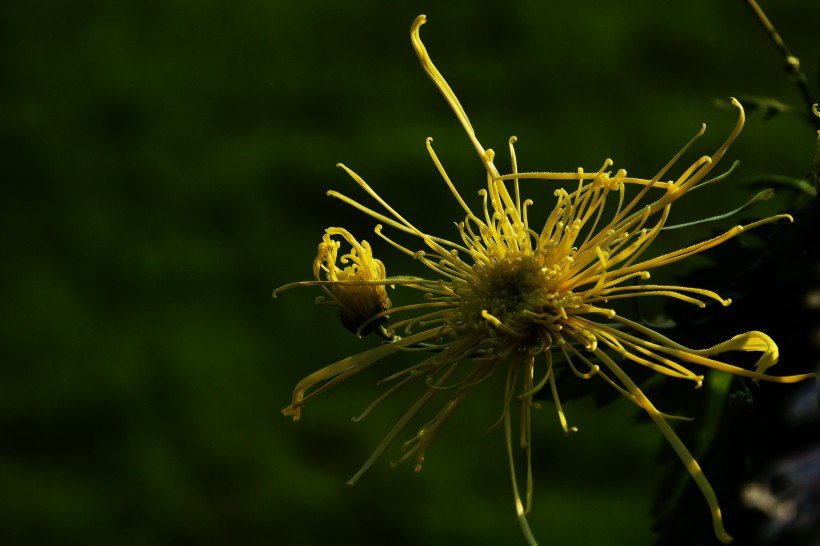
(164, 169)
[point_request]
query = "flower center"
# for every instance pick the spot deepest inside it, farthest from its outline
(509, 288)
(514, 296)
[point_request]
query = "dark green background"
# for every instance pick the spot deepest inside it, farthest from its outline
(163, 169)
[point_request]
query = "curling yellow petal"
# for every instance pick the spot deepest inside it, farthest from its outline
(341, 370)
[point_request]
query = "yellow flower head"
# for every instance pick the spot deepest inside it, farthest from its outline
(526, 301)
(358, 290)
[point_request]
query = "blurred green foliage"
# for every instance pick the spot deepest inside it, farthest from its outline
(164, 168)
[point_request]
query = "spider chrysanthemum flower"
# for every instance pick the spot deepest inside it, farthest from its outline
(522, 301)
(357, 290)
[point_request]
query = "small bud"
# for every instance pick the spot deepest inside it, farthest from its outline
(358, 289)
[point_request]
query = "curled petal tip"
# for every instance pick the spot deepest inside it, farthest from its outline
(739, 106)
(292, 411)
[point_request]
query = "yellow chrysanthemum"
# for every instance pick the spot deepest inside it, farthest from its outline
(526, 301)
(357, 290)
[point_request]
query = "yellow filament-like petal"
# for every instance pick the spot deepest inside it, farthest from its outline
(397, 428)
(519, 506)
(449, 95)
(688, 460)
(683, 253)
(341, 370)
(749, 341)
